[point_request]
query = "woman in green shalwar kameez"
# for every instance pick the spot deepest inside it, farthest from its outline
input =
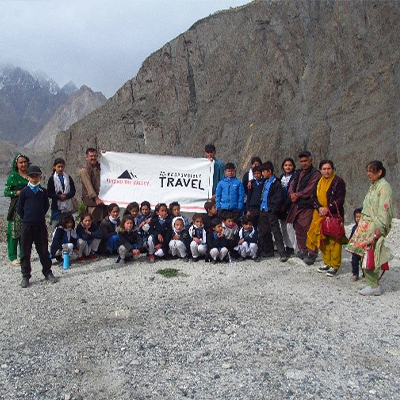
(374, 226)
(16, 181)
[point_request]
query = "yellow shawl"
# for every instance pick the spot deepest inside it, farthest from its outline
(314, 233)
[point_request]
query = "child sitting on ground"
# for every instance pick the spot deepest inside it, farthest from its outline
(143, 221)
(132, 209)
(211, 213)
(160, 232)
(355, 258)
(217, 243)
(89, 237)
(175, 211)
(230, 194)
(198, 237)
(127, 236)
(230, 230)
(178, 243)
(109, 227)
(247, 245)
(65, 236)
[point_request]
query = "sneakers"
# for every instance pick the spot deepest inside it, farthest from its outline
(16, 262)
(81, 259)
(256, 259)
(24, 283)
(310, 259)
(331, 272)
(354, 278)
(151, 258)
(195, 259)
(51, 278)
(323, 269)
(213, 261)
(240, 258)
(93, 256)
(370, 291)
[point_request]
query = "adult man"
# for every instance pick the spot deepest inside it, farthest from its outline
(300, 215)
(219, 168)
(90, 178)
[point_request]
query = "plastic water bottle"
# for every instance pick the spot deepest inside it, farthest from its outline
(65, 253)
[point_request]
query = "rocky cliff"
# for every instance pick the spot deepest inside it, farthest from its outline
(81, 103)
(270, 78)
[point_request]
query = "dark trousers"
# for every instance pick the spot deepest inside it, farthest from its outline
(255, 215)
(34, 234)
(355, 264)
(268, 224)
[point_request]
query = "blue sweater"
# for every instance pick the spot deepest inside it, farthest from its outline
(32, 207)
(230, 194)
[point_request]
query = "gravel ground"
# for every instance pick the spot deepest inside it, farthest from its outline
(226, 331)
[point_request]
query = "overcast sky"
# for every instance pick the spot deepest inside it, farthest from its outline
(100, 43)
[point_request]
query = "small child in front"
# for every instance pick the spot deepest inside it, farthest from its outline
(109, 227)
(127, 236)
(143, 225)
(230, 230)
(160, 232)
(217, 243)
(89, 237)
(32, 207)
(178, 243)
(355, 258)
(132, 209)
(211, 213)
(65, 236)
(230, 194)
(198, 237)
(247, 245)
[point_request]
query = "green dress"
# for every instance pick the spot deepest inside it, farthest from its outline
(377, 213)
(14, 183)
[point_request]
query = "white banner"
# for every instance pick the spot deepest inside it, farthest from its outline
(127, 177)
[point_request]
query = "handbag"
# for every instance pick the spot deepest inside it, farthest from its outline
(333, 225)
(370, 261)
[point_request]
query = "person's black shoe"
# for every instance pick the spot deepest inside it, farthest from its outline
(310, 259)
(240, 258)
(267, 255)
(289, 251)
(256, 259)
(283, 258)
(195, 259)
(301, 254)
(24, 283)
(51, 278)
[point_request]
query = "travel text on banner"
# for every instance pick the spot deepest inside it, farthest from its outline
(127, 177)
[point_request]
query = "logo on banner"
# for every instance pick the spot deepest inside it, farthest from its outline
(127, 175)
(180, 179)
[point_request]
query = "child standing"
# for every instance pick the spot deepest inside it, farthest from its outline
(180, 236)
(160, 232)
(89, 237)
(217, 243)
(127, 239)
(132, 209)
(288, 233)
(32, 206)
(230, 194)
(61, 190)
(198, 236)
(175, 211)
(355, 258)
(65, 236)
(268, 223)
(109, 227)
(211, 213)
(254, 195)
(247, 245)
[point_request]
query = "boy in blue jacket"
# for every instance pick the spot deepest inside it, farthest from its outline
(33, 203)
(230, 194)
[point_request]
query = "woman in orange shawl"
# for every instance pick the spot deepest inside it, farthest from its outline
(329, 196)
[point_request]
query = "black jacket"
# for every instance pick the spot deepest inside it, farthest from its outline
(51, 191)
(108, 228)
(60, 237)
(96, 232)
(254, 194)
(128, 239)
